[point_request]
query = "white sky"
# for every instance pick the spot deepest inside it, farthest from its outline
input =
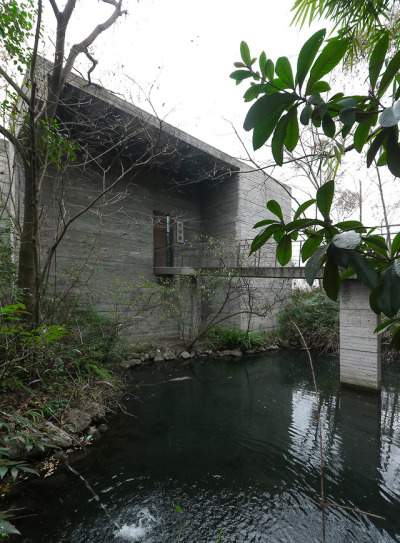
(181, 52)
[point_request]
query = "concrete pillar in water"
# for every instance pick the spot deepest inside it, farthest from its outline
(360, 348)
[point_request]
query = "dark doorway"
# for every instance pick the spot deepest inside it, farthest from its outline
(162, 240)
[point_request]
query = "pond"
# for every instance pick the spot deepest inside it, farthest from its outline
(236, 449)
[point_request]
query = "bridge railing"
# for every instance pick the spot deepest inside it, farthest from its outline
(235, 254)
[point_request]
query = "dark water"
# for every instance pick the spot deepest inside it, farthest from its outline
(230, 447)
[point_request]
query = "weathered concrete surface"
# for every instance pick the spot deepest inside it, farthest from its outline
(360, 349)
(273, 272)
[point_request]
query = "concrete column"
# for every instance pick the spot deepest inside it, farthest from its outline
(360, 348)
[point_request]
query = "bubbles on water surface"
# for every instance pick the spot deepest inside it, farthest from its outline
(137, 531)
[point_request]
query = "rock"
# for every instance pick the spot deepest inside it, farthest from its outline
(169, 355)
(58, 435)
(152, 354)
(77, 421)
(272, 348)
(131, 363)
(184, 355)
(146, 357)
(95, 411)
(159, 357)
(103, 428)
(236, 353)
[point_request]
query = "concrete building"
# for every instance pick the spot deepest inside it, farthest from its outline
(139, 195)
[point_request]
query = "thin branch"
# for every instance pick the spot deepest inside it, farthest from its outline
(12, 83)
(10, 136)
(94, 64)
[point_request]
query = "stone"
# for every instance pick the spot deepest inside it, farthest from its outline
(159, 357)
(236, 353)
(58, 435)
(77, 421)
(96, 412)
(169, 355)
(184, 355)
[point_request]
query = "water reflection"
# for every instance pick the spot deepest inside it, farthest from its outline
(231, 447)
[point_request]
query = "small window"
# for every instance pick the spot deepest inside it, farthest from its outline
(162, 239)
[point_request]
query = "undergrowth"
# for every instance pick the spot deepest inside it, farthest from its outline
(234, 338)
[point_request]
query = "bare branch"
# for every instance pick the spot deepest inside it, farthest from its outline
(10, 136)
(12, 83)
(84, 44)
(94, 64)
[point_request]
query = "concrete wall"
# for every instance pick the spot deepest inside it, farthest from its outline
(360, 364)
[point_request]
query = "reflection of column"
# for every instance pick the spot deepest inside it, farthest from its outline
(359, 427)
(360, 363)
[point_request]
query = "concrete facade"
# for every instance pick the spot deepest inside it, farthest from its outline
(107, 252)
(360, 349)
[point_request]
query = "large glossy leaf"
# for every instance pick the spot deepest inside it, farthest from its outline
(265, 222)
(395, 245)
(278, 139)
(264, 106)
(351, 225)
(377, 243)
(330, 57)
(314, 264)
(269, 70)
(388, 76)
(275, 208)
(360, 136)
(347, 115)
(262, 61)
(346, 240)
(320, 86)
(393, 152)
(396, 266)
(263, 130)
(365, 271)
(302, 207)
(7, 528)
(331, 280)
(305, 115)
(239, 75)
(310, 246)
(262, 238)
(284, 250)
(389, 292)
(325, 198)
(307, 55)
(377, 59)
(390, 116)
(292, 130)
(328, 126)
(375, 145)
(283, 70)
(254, 91)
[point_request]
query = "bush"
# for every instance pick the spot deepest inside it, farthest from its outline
(234, 338)
(317, 317)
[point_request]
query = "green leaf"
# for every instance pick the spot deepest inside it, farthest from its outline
(264, 106)
(14, 473)
(382, 160)
(320, 86)
(391, 71)
(284, 250)
(325, 197)
(314, 264)
(328, 126)
(262, 61)
(377, 243)
(330, 57)
(351, 225)
(390, 116)
(365, 271)
(314, 99)
(254, 91)
(389, 292)
(275, 208)
(283, 70)
(373, 302)
(360, 136)
(270, 70)
(302, 207)
(7, 528)
(239, 75)
(265, 223)
(310, 246)
(305, 115)
(262, 238)
(331, 280)
(393, 152)
(278, 139)
(395, 245)
(263, 130)
(245, 53)
(346, 240)
(3, 471)
(377, 59)
(292, 131)
(307, 55)
(396, 266)
(347, 115)
(375, 145)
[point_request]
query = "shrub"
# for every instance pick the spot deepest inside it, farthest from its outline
(317, 317)
(234, 338)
